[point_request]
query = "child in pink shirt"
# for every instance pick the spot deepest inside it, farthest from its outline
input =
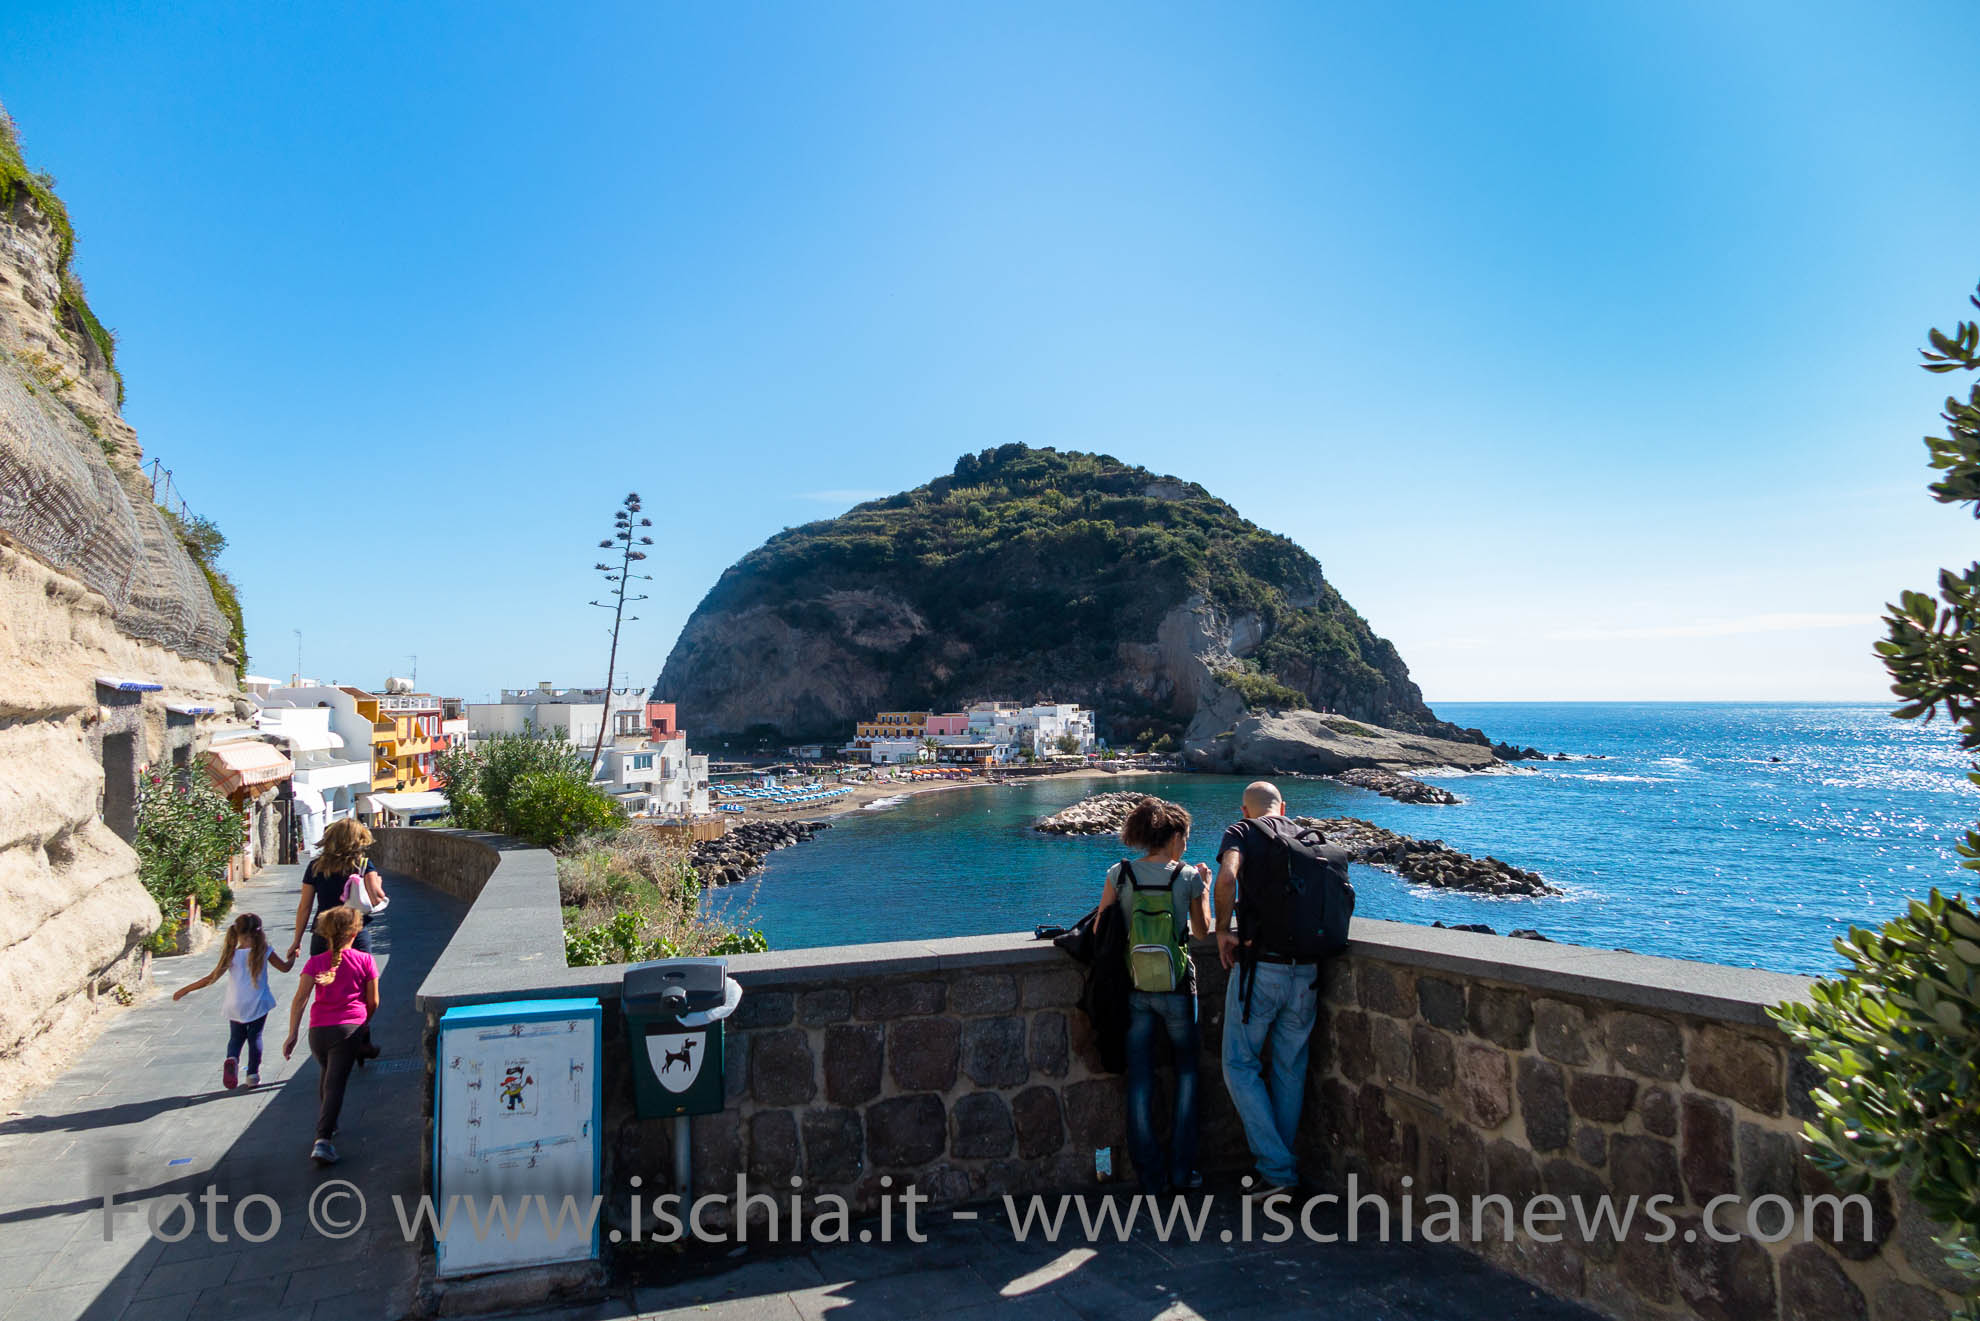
(340, 986)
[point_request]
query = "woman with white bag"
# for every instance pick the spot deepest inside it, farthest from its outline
(340, 876)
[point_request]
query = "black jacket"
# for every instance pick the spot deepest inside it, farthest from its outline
(1099, 940)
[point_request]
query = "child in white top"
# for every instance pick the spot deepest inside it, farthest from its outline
(244, 960)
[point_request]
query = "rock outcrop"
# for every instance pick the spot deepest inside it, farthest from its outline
(1429, 862)
(739, 855)
(1283, 742)
(93, 585)
(1028, 574)
(1402, 788)
(1101, 814)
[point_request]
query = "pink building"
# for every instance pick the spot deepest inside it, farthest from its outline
(949, 724)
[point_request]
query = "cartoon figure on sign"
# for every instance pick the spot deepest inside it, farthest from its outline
(515, 1079)
(676, 1058)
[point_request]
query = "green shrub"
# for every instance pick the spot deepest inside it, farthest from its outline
(480, 782)
(550, 810)
(1260, 691)
(186, 835)
(633, 895)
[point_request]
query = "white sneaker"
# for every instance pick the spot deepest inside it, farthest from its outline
(254, 1080)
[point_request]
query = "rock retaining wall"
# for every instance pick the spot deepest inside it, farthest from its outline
(1444, 1062)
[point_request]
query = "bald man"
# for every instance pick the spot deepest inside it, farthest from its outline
(1271, 999)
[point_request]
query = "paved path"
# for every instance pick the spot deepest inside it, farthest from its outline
(978, 1272)
(142, 1113)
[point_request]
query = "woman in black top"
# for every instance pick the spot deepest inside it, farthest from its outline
(343, 854)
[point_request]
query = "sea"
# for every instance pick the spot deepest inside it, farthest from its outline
(1739, 833)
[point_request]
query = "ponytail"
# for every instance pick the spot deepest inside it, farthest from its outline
(338, 926)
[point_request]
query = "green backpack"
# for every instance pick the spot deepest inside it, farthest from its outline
(1155, 954)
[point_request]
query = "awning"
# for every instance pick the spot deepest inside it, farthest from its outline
(244, 764)
(427, 800)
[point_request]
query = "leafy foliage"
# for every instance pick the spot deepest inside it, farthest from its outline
(1897, 1033)
(550, 810)
(204, 541)
(1028, 571)
(534, 785)
(633, 896)
(1260, 690)
(186, 833)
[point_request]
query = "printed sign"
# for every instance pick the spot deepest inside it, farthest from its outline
(676, 1058)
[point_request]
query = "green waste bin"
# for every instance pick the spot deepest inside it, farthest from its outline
(674, 1010)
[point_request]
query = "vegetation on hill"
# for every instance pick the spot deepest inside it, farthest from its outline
(1030, 568)
(16, 181)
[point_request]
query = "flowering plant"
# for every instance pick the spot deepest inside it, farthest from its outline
(186, 834)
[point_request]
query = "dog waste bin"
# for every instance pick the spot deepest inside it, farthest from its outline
(674, 1010)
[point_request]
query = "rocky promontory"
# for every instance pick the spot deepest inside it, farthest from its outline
(1319, 743)
(739, 854)
(1101, 814)
(1402, 788)
(1428, 861)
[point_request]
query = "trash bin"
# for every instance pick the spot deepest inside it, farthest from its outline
(674, 1010)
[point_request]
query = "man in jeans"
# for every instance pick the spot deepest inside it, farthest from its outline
(1279, 1008)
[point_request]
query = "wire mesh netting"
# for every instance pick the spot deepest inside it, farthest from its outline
(61, 502)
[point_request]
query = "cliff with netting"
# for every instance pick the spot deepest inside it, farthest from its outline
(114, 655)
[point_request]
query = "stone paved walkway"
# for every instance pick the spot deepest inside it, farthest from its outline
(142, 1114)
(978, 1272)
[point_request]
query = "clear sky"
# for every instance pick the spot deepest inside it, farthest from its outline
(1576, 340)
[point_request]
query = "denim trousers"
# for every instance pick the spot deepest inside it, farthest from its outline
(248, 1034)
(1268, 1095)
(1154, 1014)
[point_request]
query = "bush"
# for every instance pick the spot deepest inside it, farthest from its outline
(550, 810)
(186, 834)
(634, 895)
(485, 788)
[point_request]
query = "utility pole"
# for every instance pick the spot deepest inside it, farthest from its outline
(298, 633)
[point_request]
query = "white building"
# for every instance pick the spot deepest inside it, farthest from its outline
(577, 712)
(655, 777)
(1037, 728)
(892, 751)
(327, 779)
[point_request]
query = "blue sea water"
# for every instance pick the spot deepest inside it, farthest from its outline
(1674, 831)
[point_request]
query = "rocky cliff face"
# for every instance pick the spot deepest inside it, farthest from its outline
(93, 583)
(1030, 574)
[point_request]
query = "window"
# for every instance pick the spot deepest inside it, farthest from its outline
(643, 761)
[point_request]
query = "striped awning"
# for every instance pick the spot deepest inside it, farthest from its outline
(246, 764)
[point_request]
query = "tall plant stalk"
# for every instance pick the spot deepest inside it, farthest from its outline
(627, 540)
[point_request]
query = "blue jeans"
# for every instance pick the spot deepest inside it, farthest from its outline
(1283, 1004)
(248, 1034)
(1153, 1013)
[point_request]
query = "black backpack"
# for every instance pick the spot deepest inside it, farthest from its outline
(1294, 895)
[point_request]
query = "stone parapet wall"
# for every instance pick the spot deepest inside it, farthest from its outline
(1468, 1085)
(1464, 1064)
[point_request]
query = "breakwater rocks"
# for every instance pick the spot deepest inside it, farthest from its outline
(1428, 861)
(739, 854)
(1402, 788)
(1102, 814)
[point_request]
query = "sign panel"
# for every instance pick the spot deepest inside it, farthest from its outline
(517, 1157)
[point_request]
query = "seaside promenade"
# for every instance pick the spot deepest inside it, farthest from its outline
(142, 1116)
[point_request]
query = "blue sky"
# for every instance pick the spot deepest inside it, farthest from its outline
(1575, 340)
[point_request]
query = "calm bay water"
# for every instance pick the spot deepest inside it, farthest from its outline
(1686, 839)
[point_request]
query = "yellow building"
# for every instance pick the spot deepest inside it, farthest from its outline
(405, 737)
(891, 724)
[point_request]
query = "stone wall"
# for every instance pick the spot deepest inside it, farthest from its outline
(1472, 1085)
(1464, 1064)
